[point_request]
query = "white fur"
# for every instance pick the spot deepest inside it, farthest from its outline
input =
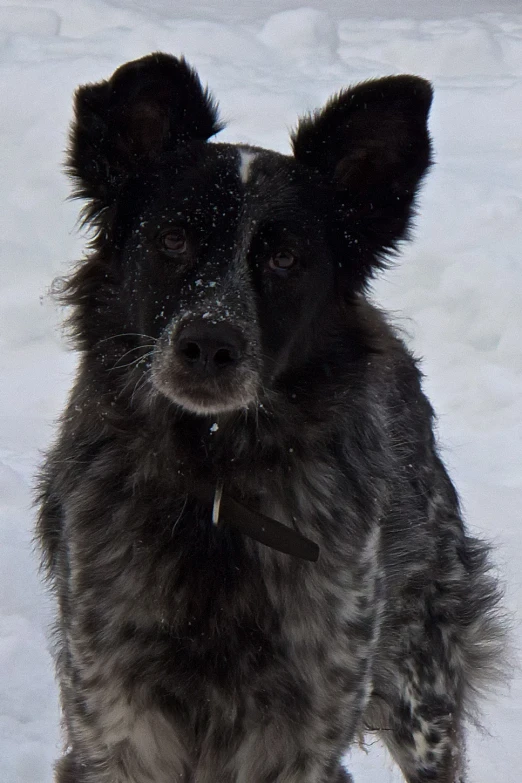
(246, 158)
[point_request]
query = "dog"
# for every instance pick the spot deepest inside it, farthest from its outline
(257, 553)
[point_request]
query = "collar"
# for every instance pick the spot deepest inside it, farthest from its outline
(228, 511)
(263, 529)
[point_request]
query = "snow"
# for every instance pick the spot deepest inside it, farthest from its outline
(455, 292)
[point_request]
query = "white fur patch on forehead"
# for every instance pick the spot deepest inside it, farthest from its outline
(246, 157)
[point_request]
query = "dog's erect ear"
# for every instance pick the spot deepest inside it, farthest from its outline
(147, 106)
(372, 144)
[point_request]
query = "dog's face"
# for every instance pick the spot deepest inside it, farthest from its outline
(226, 262)
(230, 255)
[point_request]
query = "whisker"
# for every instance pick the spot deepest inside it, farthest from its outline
(135, 361)
(127, 334)
(136, 348)
(131, 377)
(179, 517)
(140, 383)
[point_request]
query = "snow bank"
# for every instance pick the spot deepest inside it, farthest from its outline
(455, 291)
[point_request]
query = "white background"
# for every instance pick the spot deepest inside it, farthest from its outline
(455, 292)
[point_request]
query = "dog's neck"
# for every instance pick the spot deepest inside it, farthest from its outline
(228, 511)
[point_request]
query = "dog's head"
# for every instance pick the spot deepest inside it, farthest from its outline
(226, 263)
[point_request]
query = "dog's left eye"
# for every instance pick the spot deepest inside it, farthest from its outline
(173, 242)
(282, 261)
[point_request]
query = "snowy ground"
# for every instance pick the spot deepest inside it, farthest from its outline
(456, 292)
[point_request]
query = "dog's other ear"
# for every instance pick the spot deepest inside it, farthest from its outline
(371, 142)
(147, 106)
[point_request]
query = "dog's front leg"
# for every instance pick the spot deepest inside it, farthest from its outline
(289, 746)
(112, 738)
(272, 756)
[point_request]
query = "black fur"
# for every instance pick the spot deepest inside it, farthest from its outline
(225, 337)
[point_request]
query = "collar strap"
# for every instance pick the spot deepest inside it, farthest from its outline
(263, 529)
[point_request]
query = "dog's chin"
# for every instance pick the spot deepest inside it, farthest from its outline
(207, 399)
(207, 407)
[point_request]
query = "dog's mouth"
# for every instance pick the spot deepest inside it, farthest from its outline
(218, 396)
(206, 367)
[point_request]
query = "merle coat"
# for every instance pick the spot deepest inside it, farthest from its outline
(226, 342)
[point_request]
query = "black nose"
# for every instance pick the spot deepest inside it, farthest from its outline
(210, 347)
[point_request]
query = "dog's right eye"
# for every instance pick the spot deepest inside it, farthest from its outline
(173, 242)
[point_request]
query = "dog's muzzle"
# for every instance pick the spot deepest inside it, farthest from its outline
(207, 365)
